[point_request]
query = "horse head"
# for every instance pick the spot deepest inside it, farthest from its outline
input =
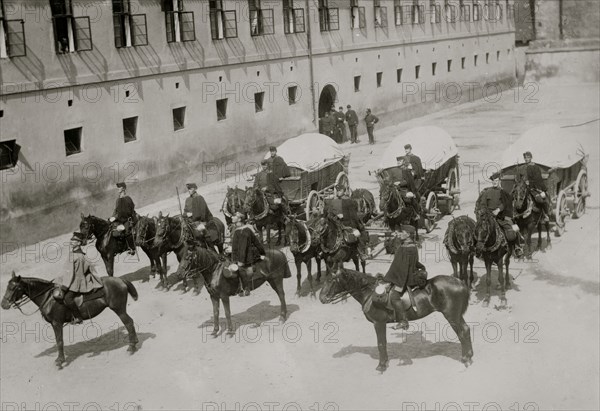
(162, 229)
(189, 262)
(520, 192)
(390, 200)
(15, 291)
(484, 227)
(462, 236)
(144, 224)
(336, 287)
(89, 227)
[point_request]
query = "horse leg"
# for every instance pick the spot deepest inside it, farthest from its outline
(463, 332)
(454, 266)
(318, 260)
(215, 304)
(548, 241)
(381, 331)
(109, 263)
(363, 264)
(507, 282)
(471, 275)
(227, 308)
(298, 263)
(501, 283)
(355, 261)
(277, 285)
(310, 279)
(58, 336)
(128, 322)
(488, 283)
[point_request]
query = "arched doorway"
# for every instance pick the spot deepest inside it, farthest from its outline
(327, 99)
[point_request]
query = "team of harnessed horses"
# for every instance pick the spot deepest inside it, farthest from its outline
(201, 253)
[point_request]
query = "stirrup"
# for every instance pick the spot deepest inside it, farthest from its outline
(401, 325)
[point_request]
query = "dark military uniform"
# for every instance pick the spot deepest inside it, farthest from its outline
(246, 248)
(349, 211)
(493, 198)
(352, 120)
(268, 179)
(370, 121)
(533, 174)
(406, 183)
(124, 209)
(196, 205)
(339, 130)
(417, 166)
(326, 126)
(279, 167)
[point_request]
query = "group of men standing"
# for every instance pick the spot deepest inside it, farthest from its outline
(333, 124)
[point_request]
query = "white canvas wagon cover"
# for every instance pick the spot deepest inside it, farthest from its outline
(550, 146)
(309, 152)
(432, 144)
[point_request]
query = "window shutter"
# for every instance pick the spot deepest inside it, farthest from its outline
(299, 20)
(83, 33)
(15, 36)
(139, 30)
(187, 26)
(230, 24)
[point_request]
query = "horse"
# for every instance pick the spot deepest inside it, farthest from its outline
(107, 245)
(233, 203)
(366, 204)
(528, 216)
(256, 205)
(221, 283)
(395, 211)
(443, 293)
(170, 236)
(460, 243)
(493, 248)
(304, 245)
(336, 251)
(22, 289)
(145, 233)
(211, 234)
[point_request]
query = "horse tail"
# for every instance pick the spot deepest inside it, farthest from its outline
(131, 290)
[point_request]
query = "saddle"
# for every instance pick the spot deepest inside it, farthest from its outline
(79, 299)
(381, 295)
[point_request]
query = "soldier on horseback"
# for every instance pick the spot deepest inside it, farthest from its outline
(346, 211)
(268, 181)
(402, 177)
(79, 278)
(246, 250)
(195, 207)
(497, 201)
(532, 174)
(125, 216)
(401, 274)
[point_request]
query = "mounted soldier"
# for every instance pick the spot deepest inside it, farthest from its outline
(80, 277)
(246, 250)
(497, 201)
(266, 180)
(532, 174)
(278, 164)
(124, 217)
(195, 207)
(414, 164)
(402, 274)
(346, 211)
(402, 178)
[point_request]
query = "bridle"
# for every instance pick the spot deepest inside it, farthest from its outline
(295, 236)
(345, 294)
(339, 238)
(390, 191)
(252, 199)
(141, 232)
(25, 298)
(227, 207)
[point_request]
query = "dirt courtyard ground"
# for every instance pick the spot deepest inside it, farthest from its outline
(540, 353)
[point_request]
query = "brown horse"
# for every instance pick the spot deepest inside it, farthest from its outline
(256, 205)
(443, 293)
(528, 216)
(460, 243)
(22, 289)
(145, 233)
(233, 203)
(336, 250)
(493, 248)
(221, 283)
(304, 245)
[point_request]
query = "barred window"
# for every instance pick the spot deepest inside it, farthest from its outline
(70, 33)
(130, 29)
(180, 24)
(476, 11)
(418, 13)
(293, 19)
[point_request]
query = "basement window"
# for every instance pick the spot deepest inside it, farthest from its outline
(259, 98)
(9, 154)
(449, 66)
(379, 78)
(356, 84)
(433, 68)
(221, 109)
(73, 141)
(178, 118)
(417, 71)
(292, 94)
(130, 129)
(398, 75)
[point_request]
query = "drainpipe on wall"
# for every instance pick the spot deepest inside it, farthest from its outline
(310, 61)
(560, 19)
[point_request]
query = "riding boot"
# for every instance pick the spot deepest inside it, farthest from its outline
(127, 242)
(399, 311)
(71, 305)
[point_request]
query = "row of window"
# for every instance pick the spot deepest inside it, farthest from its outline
(399, 71)
(72, 34)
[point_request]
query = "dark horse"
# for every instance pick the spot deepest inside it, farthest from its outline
(233, 203)
(366, 204)
(257, 207)
(528, 216)
(443, 293)
(493, 248)
(460, 243)
(107, 245)
(170, 236)
(21, 289)
(221, 283)
(395, 211)
(336, 250)
(304, 245)
(145, 233)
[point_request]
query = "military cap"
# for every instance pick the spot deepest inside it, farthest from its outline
(121, 185)
(77, 237)
(272, 148)
(527, 154)
(407, 146)
(191, 185)
(348, 106)
(341, 108)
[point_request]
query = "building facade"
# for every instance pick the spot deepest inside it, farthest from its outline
(151, 92)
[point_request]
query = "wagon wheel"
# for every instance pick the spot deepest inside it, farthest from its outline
(341, 184)
(560, 213)
(430, 208)
(313, 204)
(581, 192)
(453, 189)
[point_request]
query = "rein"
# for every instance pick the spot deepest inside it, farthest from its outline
(142, 234)
(26, 299)
(266, 206)
(344, 295)
(308, 242)
(393, 193)
(500, 240)
(339, 239)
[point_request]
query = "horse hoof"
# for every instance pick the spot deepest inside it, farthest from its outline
(282, 319)
(230, 333)
(131, 349)
(215, 332)
(381, 367)
(59, 362)
(508, 286)
(467, 362)
(313, 295)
